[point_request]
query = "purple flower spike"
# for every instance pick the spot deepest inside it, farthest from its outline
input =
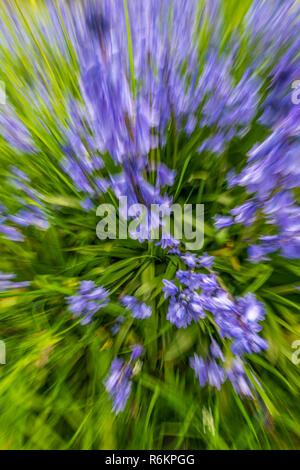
(239, 380)
(118, 384)
(216, 374)
(200, 368)
(137, 352)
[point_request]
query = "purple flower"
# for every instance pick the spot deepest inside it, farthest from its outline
(88, 300)
(116, 327)
(259, 253)
(138, 309)
(167, 240)
(189, 259)
(239, 380)
(87, 204)
(118, 384)
(184, 308)
(11, 233)
(32, 212)
(206, 261)
(102, 185)
(32, 215)
(223, 221)
(215, 374)
(208, 371)
(208, 283)
(170, 289)
(6, 282)
(19, 173)
(238, 319)
(216, 351)
(14, 131)
(137, 352)
(249, 343)
(174, 251)
(165, 176)
(191, 279)
(200, 368)
(244, 214)
(254, 311)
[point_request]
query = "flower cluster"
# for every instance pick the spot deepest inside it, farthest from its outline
(212, 372)
(88, 300)
(118, 383)
(32, 211)
(272, 198)
(236, 318)
(138, 309)
(185, 305)
(145, 77)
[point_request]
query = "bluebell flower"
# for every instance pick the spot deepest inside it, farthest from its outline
(191, 279)
(238, 319)
(168, 241)
(165, 176)
(136, 352)
(88, 300)
(223, 222)
(102, 185)
(208, 283)
(185, 308)
(174, 251)
(11, 233)
(200, 368)
(248, 343)
(7, 282)
(245, 214)
(138, 309)
(31, 215)
(117, 325)
(170, 289)
(190, 259)
(257, 253)
(206, 261)
(19, 173)
(239, 379)
(208, 371)
(215, 350)
(118, 384)
(14, 131)
(87, 204)
(216, 375)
